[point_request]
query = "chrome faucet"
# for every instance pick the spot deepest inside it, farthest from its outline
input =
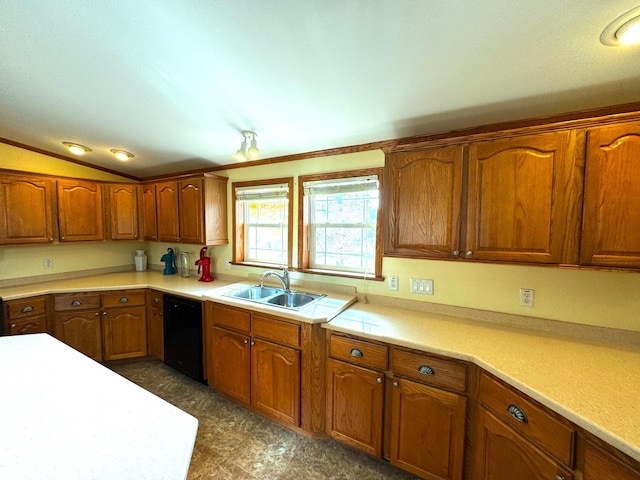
(284, 278)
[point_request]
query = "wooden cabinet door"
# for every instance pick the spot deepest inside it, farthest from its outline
(167, 211)
(599, 465)
(191, 211)
(82, 331)
(231, 365)
(355, 406)
(424, 201)
(275, 381)
(427, 430)
(611, 220)
(523, 199)
(215, 210)
(501, 454)
(149, 218)
(123, 206)
(26, 210)
(124, 333)
(33, 324)
(155, 324)
(80, 211)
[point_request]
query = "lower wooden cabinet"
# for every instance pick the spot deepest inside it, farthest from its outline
(25, 315)
(427, 430)
(155, 324)
(355, 401)
(230, 364)
(124, 333)
(81, 330)
(600, 465)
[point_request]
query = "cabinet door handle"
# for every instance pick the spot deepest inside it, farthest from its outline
(456, 253)
(426, 370)
(27, 309)
(13, 325)
(246, 340)
(395, 384)
(379, 380)
(517, 413)
(76, 303)
(156, 300)
(124, 299)
(252, 342)
(468, 254)
(356, 352)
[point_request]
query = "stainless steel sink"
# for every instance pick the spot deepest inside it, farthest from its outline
(276, 297)
(256, 292)
(293, 300)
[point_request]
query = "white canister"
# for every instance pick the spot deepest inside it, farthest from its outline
(141, 260)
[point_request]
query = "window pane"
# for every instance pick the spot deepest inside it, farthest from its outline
(266, 232)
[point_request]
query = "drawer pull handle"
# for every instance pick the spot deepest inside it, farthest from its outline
(27, 309)
(124, 299)
(517, 413)
(76, 303)
(356, 352)
(559, 477)
(426, 370)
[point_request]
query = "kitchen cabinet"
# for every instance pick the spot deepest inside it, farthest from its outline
(600, 465)
(27, 315)
(270, 364)
(517, 438)
(124, 324)
(80, 214)
(193, 210)
(123, 209)
(611, 197)
(26, 209)
(149, 214)
(155, 324)
(522, 200)
(78, 322)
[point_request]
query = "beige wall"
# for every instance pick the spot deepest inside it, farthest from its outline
(589, 297)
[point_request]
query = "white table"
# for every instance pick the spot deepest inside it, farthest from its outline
(65, 416)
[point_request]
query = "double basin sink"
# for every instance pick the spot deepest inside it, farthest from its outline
(276, 297)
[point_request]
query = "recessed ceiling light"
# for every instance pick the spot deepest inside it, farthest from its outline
(122, 155)
(76, 148)
(624, 30)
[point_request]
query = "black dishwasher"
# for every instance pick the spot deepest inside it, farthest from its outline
(183, 336)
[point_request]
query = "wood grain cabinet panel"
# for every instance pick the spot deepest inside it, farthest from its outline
(124, 332)
(611, 220)
(167, 212)
(427, 430)
(123, 209)
(26, 210)
(80, 214)
(26, 315)
(149, 214)
(230, 360)
(523, 199)
(155, 324)
(191, 211)
(81, 330)
(599, 465)
(424, 201)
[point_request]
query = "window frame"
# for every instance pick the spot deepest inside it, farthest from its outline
(239, 224)
(304, 217)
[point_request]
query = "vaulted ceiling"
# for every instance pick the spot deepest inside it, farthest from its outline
(176, 81)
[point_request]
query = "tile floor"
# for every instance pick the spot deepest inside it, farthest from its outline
(236, 444)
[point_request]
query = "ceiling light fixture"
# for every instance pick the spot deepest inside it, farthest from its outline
(252, 151)
(76, 148)
(624, 30)
(122, 155)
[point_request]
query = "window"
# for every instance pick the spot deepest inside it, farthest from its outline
(340, 225)
(262, 218)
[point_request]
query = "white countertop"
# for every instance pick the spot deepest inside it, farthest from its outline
(67, 417)
(596, 386)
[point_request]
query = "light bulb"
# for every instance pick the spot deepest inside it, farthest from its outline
(253, 150)
(121, 155)
(76, 148)
(629, 33)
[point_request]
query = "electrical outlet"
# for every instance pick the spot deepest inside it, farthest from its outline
(393, 283)
(526, 297)
(422, 286)
(227, 266)
(48, 263)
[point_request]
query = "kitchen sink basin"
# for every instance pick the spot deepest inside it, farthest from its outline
(293, 300)
(275, 297)
(256, 292)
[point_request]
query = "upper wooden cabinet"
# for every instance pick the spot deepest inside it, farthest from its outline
(149, 215)
(612, 197)
(193, 210)
(123, 208)
(26, 209)
(80, 211)
(519, 203)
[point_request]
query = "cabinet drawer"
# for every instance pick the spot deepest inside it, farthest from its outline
(429, 369)
(529, 419)
(124, 298)
(359, 352)
(276, 330)
(37, 324)
(231, 318)
(77, 301)
(26, 307)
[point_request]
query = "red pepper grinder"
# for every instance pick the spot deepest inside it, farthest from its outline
(205, 263)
